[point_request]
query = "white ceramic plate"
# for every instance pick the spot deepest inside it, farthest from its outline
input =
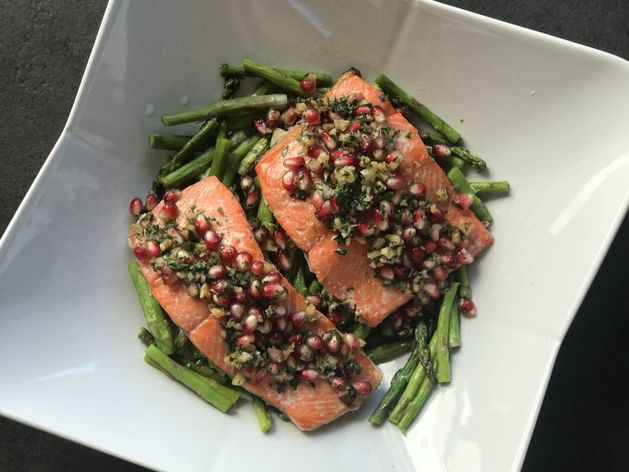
(548, 115)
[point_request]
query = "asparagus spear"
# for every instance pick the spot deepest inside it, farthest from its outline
(454, 334)
(386, 328)
(188, 171)
(237, 138)
(167, 142)
(246, 164)
(230, 87)
(449, 160)
(231, 106)
(398, 384)
(265, 215)
(205, 370)
(211, 391)
(145, 336)
(386, 352)
(462, 275)
(181, 342)
(417, 403)
(155, 317)
(460, 182)
(442, 333)
(431, 138)
(360, 330)
(467, 156)
(299, 282)
(242, 152)
(227, 70)
(315, 287)
(433, 120)
(278, 77)
(497, 186)
(265, 88)
(197, 142)
(264, 418)
(223, 145)
(242, 120)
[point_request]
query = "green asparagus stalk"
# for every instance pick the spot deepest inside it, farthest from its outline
(497, 186)
(315, 287)
(454, 334)
(360, 330)
(265, 88)
(230, 87)
(278, 77)
(211, 391)
(181, 342)
(188, 171)
(424, 112)
(299, 281)
(227, 70)
(145, 336)
(242, 120)
(450, 161)
(220, 158)
(462, 275)
(231, 106)
(264, 418)
(442, 333)
(431, 138)
(386, 328)
(246, 164)
(155, 317)
(467, 156)
(205, 370)
(417, 403)
(398, 384)
(237, 138)
(265, 215)
(167, 142)
(460, 182)
(387, 352)
(198, 142)
(237, 155)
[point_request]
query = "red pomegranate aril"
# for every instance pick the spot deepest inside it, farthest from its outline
(261, 234)
(169, 212)
(228, 253)
(272, 278)
(466, 305)
(295, 339)
(345, 159)
(463, 200)
(362, 110)
(418, 219)
(294, 163)
(240, 296)
(432, 289)
(378, 141)
(212, 240)
(430, 246)
(136, 206)
(255, 289)
(201, 225)
(219, 285)
(168, 276)
(386, 272)
(312, 116)
(140, 252)
(354, 126)
(437, 214)
(289, 181)
(257, 268)
(381, 223)
(250, 324)
(275, 354)
(328, 141)
(151, 201)
(314, 300)
(408, 233)
(378, 114)
(171, 196)
(222, 300)
(440, 273)
(314, 151)
(395, 182)
(335, 317)
(464, 257)
(441, 150)
(245, 340)
(252, 198)
(274, 368)
(308, 375)
(237, 310)
(445, 243)
(324, 211)
(338, 383)
(365, 230)
(400, 272)
(305, 353)
(366, 145)
(298, 318)
(304, 180)
(417, 190)
(363, 388)
(260, 126)
(333, 344)
(351, 341)
(274, 291)
(284, 261)
(265, 327)
(308, 84)
(434, 231)
(153, 248)
(292, 363)
(393, 156)
(314, 166)
(272, 118)
(246, 183)
(315, 342)
(317, 200)
(447, 259)
(290, 116)
(243, 261)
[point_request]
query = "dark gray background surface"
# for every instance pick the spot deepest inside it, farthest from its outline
(584, 421)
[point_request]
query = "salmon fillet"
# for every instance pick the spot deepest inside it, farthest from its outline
(308, 407)
(349, 277)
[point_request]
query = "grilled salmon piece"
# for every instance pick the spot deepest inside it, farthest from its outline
(349, 277)
(308, 407)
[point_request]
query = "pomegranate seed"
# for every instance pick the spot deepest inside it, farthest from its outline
(309, 84)
(304, 180)
(351, 341)
(378, 114)
(272, 118)
(171, 196)
(295, 339)
(261, 234)
(151, 201)
(255, 289)
(395, 182)
(245, 340)
(305, 353)
(445, 243)
(274, 291)
(239, 295)
(464, 257)
(219, 285)
(314, 300)
(366, 145)
(275, 354)
(136, 206)
(430, 246)
(463, 200)
(294, 163)
(153, 248)
(292, 363)
(314, 166)
(387, 208)
(201, 224)
(441, 150)
(335, 317)
(168, 276)
(169, 212)
(317, 200)
(432, 289)
(378, 141)
(315, 342)
(323, 212)
(250, 324)
(467, 307)
(298, 318)
(308, 375)
(289, 116)
(363, 388)
(257, 268)
(332, 342)
(381, 223)
(338, 383)
(260, 126)
(400, 272)
(246, 183)
(417, 190)
(362, 110)
(289, 181)
(140, 252)
(312, 116)
(228, 253)
(343, 158)
(274, 368)
(440, 273)
(386, 272)
(328, 141)
(333, 205)
(314, 151)
(243, 261)
(365, 230)
(222, 300)
(272, 278)
(436, 213)
(393, 156)
(283, 261)
(252, 198)
(418, 219)
(447, 259)
(354, 126)
(408, 233)
(435, 229)
(211, 240)
(237, 310)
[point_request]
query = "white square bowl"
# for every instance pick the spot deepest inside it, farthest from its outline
(529, 103)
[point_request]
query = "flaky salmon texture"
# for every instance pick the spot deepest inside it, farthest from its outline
(308, 407)
(349, 277)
